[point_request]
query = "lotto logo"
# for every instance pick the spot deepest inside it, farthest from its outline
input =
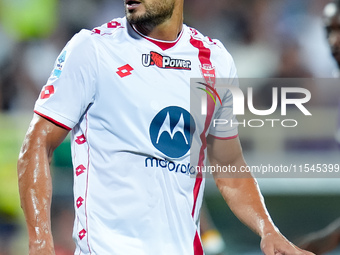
(80, 169)
(124, 71)
(47, 91)
(96, 31)
(82, 234)
(80, 139)
(79, 202)
(114, 24)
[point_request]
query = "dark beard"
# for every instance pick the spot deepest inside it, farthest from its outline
(151, 19)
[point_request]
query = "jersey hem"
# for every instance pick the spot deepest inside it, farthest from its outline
(53, 120)
(224, 138)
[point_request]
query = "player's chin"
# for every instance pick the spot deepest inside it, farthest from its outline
(134, 17)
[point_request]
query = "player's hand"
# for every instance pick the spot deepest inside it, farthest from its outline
(276, 244)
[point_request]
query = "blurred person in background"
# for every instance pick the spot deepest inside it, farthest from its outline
(332, 25)
(122, 206)
(23, 22)
(20, 22)
(327, 239)
(31, 35)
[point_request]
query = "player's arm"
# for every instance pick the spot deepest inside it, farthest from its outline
(35, 184)
(243, 196)
(324, 240)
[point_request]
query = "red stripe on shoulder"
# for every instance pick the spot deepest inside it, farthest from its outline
(52, 120)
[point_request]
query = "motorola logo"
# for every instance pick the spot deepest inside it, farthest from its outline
(171, 131)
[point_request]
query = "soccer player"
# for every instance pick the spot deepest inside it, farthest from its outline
(328, 239)
(123, 91)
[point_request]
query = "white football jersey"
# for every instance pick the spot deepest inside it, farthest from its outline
(126, 98)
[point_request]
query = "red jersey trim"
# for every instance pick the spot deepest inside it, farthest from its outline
(164, 45)
(225, 138)
(53, 120)
(204, 55)
(87, 185)
(198, 247)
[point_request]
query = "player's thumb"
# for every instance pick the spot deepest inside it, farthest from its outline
(268, 249)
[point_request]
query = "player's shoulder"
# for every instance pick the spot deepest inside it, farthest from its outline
(89, 38)
(215, 45)
(110, 28)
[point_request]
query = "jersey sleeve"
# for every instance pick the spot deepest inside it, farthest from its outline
(71, 87)
(224, 124)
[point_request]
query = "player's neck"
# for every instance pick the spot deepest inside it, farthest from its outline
(168, 30)
(161, 32)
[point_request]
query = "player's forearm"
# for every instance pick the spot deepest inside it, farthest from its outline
(244, 198)
(35, 189)
(251, 211)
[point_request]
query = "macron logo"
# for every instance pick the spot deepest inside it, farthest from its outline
(166, 128)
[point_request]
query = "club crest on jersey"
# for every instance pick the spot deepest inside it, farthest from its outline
(165, 62)
(209, 74)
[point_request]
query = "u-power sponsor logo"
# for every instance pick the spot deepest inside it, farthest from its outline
(170, 166)
(165, 62)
